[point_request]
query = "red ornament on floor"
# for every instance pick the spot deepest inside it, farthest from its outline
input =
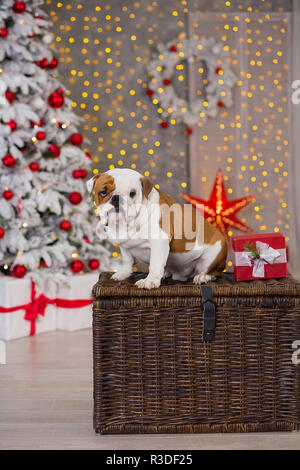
(65, 225)
(13, 125)
(19, 271)
(2, 232)
(56, 99)
(76, 139)
(54, 150)
(76, 266)
(218, 210)
(8, 194)
(34, 166)
(75, 198)
(9, 160)
(19, 7)
(94, 264)
(10, 96)
(3, 33)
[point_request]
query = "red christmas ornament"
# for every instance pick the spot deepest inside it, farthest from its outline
(221, 104)
(53, 63)
(30, 36)
(164, 124)
(75, 198)
(76, 139)
(94, 264)
(76, 266)
(166, 81)
(88, 155)
(44, 63)
(10, 96)
(189, 131)
(65, 225)
(2, 232)
(13, 125)
(219, 70)
(37, 17)
(34, 166)
(8, 194)
(3, 33)
(173, 49)
(44, 264)
(81, 173)
(19, 271)
(150, 92)
(85, 239)
(37, 124)
(9, 160)
(19, 7)
(56, 99)
(54, 150)
(40, 135)
(218, 210)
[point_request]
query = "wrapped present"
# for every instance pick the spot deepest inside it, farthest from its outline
(79, 287)
(259, 256)
(24, 309)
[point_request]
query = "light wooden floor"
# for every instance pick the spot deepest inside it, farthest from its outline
(46, 403)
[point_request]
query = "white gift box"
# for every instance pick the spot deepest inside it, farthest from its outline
(16, 292)
(79, 287)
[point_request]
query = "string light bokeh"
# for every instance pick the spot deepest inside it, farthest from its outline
(103, 49)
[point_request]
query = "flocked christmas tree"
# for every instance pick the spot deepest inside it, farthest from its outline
(47, 225)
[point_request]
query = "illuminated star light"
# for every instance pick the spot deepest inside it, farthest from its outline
(219, 211)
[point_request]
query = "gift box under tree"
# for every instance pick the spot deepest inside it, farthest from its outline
(261, 256)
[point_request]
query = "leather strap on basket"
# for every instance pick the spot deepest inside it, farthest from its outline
(209, 313)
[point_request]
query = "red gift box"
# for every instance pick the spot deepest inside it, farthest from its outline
(270, 262)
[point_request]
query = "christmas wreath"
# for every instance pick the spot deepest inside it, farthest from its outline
(219, 78)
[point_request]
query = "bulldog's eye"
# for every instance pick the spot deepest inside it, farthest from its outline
(132, 193)
(102, 193)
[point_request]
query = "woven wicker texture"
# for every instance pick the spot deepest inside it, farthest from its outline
(153, 372)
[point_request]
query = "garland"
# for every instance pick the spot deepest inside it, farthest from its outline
(220, 80)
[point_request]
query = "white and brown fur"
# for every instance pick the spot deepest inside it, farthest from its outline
(165, 254)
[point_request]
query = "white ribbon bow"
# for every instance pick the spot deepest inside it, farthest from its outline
(267, 255)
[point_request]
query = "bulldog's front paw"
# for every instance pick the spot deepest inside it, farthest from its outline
(121, 275)
(150, 282)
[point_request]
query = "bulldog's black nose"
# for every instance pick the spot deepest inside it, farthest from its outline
(115, 200)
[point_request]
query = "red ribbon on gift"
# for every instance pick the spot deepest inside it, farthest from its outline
(37, 306)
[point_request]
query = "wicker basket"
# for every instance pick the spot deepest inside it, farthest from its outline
(154, 373)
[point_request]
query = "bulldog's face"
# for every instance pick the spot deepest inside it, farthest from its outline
(119, 195)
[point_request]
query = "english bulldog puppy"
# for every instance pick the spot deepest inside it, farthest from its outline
(173, 239)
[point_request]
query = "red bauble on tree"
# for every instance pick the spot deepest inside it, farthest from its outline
(9, 160)
(10, 96)
(56, 99)
(76, 139)
(54, 150)
(8, 194)
(189, 131)
(75, 198)
(94, 264)
(88, 155)
(81, 173)
(2, 232)
(19, 7)
(76, 266)
(149, 92)
(40, 135)
(3, 33)
(166, 82)
(65, 225)
(12, 124)
(221, 104)
(164, 124)
(34, 166)
(53, 63)
(19, 271)
(173, 49)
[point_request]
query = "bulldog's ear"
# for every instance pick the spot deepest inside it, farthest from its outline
(147, 186)
(91, 183)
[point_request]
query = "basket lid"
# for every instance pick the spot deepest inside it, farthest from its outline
(224, 286)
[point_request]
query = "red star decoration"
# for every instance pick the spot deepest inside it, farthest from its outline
(219, 211)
